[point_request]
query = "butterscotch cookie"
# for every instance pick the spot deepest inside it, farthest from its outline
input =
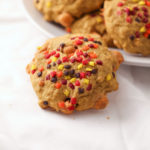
(64, 11)
(128, 23)
(92, 23)
(74, 72)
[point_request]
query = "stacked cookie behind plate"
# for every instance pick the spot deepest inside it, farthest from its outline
(125, 23)
(128, 23)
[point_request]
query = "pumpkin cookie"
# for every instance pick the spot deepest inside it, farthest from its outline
(74, 72)
(64, 11)
(128, 23)
(92, 23)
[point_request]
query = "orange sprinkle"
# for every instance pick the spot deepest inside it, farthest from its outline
(46, 52)
(41, 69)
(49, 61)
(85, 48)
(61, 104)
(58, 85)
(95, 45)
(59, 74)
(146, 35)
(70, 55)
(92, 55)
(148, 31)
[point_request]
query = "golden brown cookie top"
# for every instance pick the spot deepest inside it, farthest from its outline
(64, 11)
(136, 11)
(92, 23)
(72, 68)
(128, 22)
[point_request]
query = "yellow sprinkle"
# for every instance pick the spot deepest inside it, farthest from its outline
(86, 81)
(39, 47)
(80, 66)
(61, 67)
(88, 69)
(143, 29)
(99, 19)
(67, 77)
(135, 0)
(141, 3)
(48, 4)
(54, 59)
(66, 92)
(33, 67)
(73, 80)
(108, 78)
(91, 63)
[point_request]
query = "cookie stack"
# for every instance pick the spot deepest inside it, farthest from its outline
(76, 71)
(121, 23)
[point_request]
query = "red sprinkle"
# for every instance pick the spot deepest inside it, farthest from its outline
(79, 53)
(81, 37)
(89, 87)
(65, 59)
(82, 75)
(57, 55)
(71, 85)
(120, 4)
(129, 20)
(33, 71)
(91, 39)
(48, 77)
(99, 62)
(71, 107)
(77, 83)
(47, 56)
(79, 59)
(73, 100)
(64, 82)
(53, 73)
(78, 42)
(53, 52)
(72, 60)
(88, 73)
(84, 62)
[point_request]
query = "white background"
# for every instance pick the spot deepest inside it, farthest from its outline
(24, 126)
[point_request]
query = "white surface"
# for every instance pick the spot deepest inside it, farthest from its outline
(24, 126)
(48, 29)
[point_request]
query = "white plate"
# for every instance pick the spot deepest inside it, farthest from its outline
(51, 29)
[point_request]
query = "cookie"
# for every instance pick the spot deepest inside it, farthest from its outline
(92, 23)
(74, 72)
(65, 11)
(128, 23)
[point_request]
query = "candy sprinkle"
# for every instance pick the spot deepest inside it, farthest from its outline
(108, 78)
(66, 92)
(58, 85)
